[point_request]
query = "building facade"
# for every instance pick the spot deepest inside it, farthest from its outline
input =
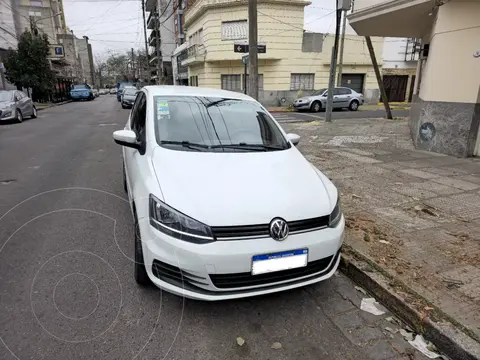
(295, 61)
(161, 22)
(446, 114)
(400, 56)
(7, 26)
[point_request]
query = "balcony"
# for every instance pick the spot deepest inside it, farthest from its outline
(195, 54)
(151, 20)
(152, 39)
(394, 18)
(150, 5)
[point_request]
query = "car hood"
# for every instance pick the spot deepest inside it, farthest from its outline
(222, 189)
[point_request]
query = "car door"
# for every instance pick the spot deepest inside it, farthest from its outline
(134, 157)
(337, 100)
(345, 94)
(28, 103)
(20, 101)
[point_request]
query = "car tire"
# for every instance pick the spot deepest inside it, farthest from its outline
(19, 116)
(34, 113)
(353, 105)
(316, 106)
(140, 272)
(123, 106)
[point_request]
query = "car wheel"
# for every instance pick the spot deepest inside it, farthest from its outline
(353, 105)
(34, 112)
(140, 272)
(316, 106)
(125, 187)
(19, 116)
(123, 106)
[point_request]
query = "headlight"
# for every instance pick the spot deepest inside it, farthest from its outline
(174, 223)
(10, 106)
(336, 215)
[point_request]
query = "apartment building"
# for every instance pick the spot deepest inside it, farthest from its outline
(446, 114)
(163, 12)
(400, 56)
(295, 61)
(7, 26)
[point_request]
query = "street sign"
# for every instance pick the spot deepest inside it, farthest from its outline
(243, 48)
(56, 51)
(245, 58)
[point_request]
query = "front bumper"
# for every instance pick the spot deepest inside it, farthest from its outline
(301, 106)
(203, 272)
(7, 115)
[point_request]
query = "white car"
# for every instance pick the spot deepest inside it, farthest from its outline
(224, 204)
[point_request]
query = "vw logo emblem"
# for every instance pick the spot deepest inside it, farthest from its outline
(278, 229)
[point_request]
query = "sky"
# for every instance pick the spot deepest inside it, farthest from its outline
(117, 25)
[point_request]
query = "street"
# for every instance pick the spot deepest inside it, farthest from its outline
(66, 273)
(337, 114)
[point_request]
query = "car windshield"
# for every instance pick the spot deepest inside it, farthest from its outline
(6, 95)
(80, 86)
(319, 92)
(130, 92)
(215, 125)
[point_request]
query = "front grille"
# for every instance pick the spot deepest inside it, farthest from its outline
(226, 232)
(170, 273)
(238, 280)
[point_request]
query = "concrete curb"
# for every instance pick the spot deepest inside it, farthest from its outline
(54, 104)
(448, 338)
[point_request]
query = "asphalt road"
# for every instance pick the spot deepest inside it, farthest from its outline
(337, 114)
(66, 276)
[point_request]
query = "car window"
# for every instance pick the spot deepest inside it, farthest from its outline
(344, 91)
(17, 96)
(130, 91)
(319, 92)
(23, 94)
(139, 117)
(6, 95)
(336, 91)
(215, 122)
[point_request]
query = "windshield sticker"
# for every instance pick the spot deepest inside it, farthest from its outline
(162, 109)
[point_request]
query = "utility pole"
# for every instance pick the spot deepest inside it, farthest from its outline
(133, 66)
(252, 49)
(342, 45)
(333, 64)
(379, 77)
(74, 54)
(157, 45)
(146, 40)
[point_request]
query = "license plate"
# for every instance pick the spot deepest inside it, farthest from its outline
(262, 264)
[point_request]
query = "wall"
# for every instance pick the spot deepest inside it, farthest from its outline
(280, 27)
(9, 37)
(167, 30)
(447, 117)
(393, 55)
(84, 59)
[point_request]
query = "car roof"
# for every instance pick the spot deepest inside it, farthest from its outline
(180, 90)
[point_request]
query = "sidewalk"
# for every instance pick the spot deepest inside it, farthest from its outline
(43, 106)
(413, 213)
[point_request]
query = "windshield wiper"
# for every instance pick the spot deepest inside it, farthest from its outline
(246, 146)
(219, 101)
(187, 144)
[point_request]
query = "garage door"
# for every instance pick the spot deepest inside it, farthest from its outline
(353, 81)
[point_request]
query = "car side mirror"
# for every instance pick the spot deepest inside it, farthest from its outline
(126, 138)
(294, 138)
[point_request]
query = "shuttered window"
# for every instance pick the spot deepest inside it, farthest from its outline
(232, 82)
(302, 81)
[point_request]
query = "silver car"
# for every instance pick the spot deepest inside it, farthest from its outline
(342, 98)
(16, 105)
(128, 97)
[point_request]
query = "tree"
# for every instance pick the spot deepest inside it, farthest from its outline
(29, 66)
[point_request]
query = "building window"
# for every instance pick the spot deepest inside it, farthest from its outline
(260, 82)
(35, 3)
(196, 38)
(234, 30)
(193, 80)
(232, 82)
(302, 81)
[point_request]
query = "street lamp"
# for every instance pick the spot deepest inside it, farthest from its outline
(33, 23)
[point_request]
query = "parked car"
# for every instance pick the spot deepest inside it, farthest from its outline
(16, 105)
(233, 208)
(128, 97)
(95, 93)
(103, 91)
(113, 91)
(121, 86)
(342, 98)
(82, 92)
